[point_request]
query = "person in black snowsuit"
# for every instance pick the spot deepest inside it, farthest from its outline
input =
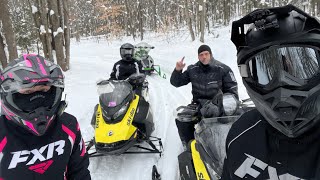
(38, 140)
(127, 65)
(208, 77)
(280, 138)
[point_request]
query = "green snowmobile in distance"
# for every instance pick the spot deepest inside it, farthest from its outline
(141, 53)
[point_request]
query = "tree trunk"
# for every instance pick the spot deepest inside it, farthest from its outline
(226, 12)
(140, 17)
(77, 33)
(129, 14)
(197, 18)
(313, 8)
(3, 57)
(202, 19)
(318, 8)
(154, 15)
(57, 32)
(189, 21)
(37, 22)
(66, 33)
(8, 31)
(126, 26)
(41, 21)
(45, 23)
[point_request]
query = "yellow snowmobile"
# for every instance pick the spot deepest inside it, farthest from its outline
(123, 120)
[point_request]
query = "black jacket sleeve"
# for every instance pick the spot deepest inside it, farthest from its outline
(79, 161)
(179, 79)
(229, 84)
(113, 73)
(225, 171)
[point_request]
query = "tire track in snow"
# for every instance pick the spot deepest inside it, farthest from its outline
(164, 99)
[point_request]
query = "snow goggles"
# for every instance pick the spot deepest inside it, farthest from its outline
(126, 51)
(281, 65)
(13, 86)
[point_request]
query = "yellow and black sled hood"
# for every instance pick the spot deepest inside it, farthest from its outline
(116, 137)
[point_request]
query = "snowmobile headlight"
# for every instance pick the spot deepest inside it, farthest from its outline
(121, 111)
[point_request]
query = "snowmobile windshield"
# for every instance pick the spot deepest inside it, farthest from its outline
(114, 98)
(211, 133)
(286, 65)
(142, 50)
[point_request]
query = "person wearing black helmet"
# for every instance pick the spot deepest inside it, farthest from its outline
(38, 140)
(278, 58)
(127, 65)
(210, 79)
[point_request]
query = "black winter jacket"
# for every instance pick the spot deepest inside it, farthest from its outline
(59, 154)
(206, 80)
(255, 150)
(123, 69)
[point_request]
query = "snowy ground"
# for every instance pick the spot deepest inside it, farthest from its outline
(92, 60)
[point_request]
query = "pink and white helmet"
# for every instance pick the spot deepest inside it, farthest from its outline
(27, 72)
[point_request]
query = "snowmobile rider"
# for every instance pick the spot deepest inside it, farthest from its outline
(127, 66)
(208, 77)
(278, 58)
(38, 140)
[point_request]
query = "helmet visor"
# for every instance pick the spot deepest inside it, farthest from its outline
(13, 86)
(126, 51)
(297, 63)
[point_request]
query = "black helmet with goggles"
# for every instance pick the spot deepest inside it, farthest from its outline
(278, 58)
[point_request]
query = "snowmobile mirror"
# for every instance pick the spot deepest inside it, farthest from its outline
(230, 104)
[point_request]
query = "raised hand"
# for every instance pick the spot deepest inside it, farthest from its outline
(180, 65)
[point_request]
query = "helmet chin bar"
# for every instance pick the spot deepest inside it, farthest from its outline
(288, 111)
(40, 119)
(128, 57)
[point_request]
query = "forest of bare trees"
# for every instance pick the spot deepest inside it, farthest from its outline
(46, 26)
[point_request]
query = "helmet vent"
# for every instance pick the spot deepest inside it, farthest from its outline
(291, 124)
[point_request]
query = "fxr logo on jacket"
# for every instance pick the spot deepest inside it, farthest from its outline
(246, 168)
(37, 154)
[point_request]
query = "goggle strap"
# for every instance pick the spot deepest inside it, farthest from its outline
(243, 70)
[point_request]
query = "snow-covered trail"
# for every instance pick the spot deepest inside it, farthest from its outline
(91, 61)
